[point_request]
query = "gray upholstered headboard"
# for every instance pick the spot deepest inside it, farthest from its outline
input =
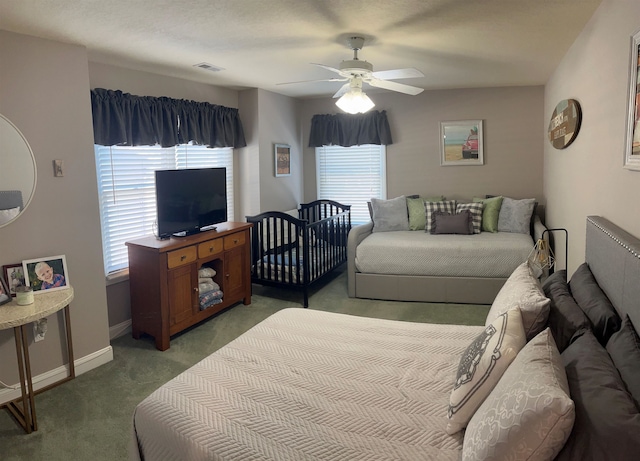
(613, 256)
(10, 199)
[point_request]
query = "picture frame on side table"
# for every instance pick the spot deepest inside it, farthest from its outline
(632, 144)
(46, 274)
(282, 153)
(461, 143)
(14, 276)
(5, 296)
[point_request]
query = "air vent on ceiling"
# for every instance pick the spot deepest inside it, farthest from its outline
(207, 66)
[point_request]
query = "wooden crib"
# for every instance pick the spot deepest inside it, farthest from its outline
(290, 252)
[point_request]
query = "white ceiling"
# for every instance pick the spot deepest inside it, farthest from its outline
(260, 43)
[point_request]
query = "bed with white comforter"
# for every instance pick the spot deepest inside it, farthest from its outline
(312, 385)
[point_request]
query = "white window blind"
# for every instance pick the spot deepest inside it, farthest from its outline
(127, 193)
(352, 176)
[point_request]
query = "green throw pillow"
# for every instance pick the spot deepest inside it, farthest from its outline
(417, 215)
(490, 212)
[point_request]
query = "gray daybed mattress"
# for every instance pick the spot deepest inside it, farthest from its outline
(312, 385)
(418, 253)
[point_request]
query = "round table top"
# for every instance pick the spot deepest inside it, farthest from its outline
(44, 304)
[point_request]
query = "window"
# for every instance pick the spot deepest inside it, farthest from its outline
(127, 194)
(351, 176)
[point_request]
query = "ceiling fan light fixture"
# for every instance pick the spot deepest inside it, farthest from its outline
(355, 101)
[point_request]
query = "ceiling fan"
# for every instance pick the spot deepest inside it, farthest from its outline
(356, 72)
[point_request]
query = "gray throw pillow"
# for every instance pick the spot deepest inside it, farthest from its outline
(515, 215)
(390, 215)
(459, 223)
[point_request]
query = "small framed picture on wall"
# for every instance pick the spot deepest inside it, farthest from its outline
(283, 159)
(632, 146)
(461, 143)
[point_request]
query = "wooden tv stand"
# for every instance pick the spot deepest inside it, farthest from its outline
(163, 275)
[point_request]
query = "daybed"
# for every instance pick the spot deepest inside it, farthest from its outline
(414, 265)
(290, 252)
(311, 385)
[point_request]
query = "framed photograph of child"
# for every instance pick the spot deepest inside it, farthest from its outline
(14, 276)
(46, 274)
(5, 296)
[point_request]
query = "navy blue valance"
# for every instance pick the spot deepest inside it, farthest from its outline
(124, 119)
(350, 130)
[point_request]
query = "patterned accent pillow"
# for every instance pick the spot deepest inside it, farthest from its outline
(515, 215)
(482, 365)
(522, 290)
(529, 414)
(446, 206)
(476, 214)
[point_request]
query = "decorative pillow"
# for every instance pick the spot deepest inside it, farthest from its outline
(417, 215)
(515, 215)
(529, 414)
(9, 214)
(476, 214)
(624, 349)
(482, 365)
(594, 303)
(390, 215)
(447, 206)
(490, 212)
(566, 319)
(522, 290)
(459, 223)
(607, 420)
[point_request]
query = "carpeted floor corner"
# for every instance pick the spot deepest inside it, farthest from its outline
(89, 418)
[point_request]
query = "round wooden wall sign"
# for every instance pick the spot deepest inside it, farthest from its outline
(565, 123)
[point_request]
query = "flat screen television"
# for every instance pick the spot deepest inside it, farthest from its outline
(190, 200)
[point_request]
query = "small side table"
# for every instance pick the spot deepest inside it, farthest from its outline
(17, 317)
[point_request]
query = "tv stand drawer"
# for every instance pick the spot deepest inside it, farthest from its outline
(210, 248)
(181, 257)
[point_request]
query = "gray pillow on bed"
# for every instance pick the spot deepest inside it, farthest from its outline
(390, 215)
(566, 319)
(515, 215)
(607, 424)
(595, 303)
(447, 223)
(624, 349)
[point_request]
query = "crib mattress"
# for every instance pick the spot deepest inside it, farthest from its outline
(310, 385)
(418, 253)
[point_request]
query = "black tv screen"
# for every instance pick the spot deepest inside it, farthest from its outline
(189, 200)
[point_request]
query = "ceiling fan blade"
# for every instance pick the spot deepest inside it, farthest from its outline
(393, 86)
(346, 87)
(395, 74)
(332, 69)
(336, 79)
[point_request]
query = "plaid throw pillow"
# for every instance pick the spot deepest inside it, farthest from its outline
(446, 206)
(476, 214)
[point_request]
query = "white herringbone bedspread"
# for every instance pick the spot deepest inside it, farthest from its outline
(417, 253)
(312, 385)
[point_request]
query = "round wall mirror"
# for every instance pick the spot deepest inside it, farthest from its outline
(17, 172)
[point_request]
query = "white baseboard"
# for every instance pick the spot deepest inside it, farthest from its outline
(82, 365)
(120, 329)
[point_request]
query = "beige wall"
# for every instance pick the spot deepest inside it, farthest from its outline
(44, 91)
(513, 142)
(587, 178)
